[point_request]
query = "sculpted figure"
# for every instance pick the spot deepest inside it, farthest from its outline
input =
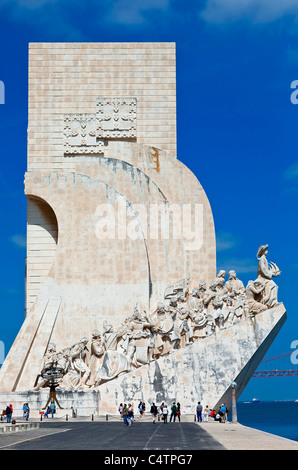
(229, 311)
(97, 351)
(194, 301)
(114, 362)
(49, 361)
(79, 358)
(217, 313)
(253, 291)
(210, 324)
(234, 286)
(241, 306)
(266, 271)
(163, 329)
(221, 290)
(173, 306)
(139, 340)
(199, 321)
(182, 327)
(210, 294)
(202, 290)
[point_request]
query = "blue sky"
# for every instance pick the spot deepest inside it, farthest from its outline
(236, 128)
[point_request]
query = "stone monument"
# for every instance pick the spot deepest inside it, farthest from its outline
(123, 299)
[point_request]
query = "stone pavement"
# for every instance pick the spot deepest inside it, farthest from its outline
(238, 437)
(98, 434)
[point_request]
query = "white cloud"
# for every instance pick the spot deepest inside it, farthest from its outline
(133, 11)
(225, 241)
(19, 240)
(256, 11)
(291, 173)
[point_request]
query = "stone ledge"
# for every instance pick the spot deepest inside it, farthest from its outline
(6, 428)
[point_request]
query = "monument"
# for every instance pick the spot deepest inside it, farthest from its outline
(123, 298)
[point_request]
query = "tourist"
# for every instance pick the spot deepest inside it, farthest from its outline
(161, 409)
(153, 412)
(125, 414)
(8, 413)
(141, 409)
(165, 414)
(52, 408)
(199, 409)
(223, 413)
(178, 411)
(24, 410)
(173, 412)
(120, 409)
(26, 415)
(206, 413)
(47, 412)
(130, 416)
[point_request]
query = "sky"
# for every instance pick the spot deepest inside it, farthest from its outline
(237, 126)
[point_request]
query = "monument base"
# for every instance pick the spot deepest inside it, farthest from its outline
(202, 371)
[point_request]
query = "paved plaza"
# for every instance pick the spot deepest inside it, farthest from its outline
(111, 436)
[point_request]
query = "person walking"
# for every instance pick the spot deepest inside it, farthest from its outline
(178, 411)
(173, 412)
(52, 408)
(120, 409)
(206, 413)
(199, 409)
(153, 411)
(27, 411)
(165, 414)
(125, 414)
(24, 410)
(130, 415)
(223, 413)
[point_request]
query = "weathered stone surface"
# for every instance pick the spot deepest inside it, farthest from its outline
(201, 372)
(115, 220)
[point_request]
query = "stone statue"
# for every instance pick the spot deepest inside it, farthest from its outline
(163, 329)
(217, 313)
(79, 358)
(266, 271)
(97, 351)
(185, 319)
(139, 342)
(234, 286)
(114, 362)
(49, 361)
(199, 321)
(182, 326)
(221, 274)
(253, 291)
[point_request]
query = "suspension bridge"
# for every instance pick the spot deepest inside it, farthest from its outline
(278, 366)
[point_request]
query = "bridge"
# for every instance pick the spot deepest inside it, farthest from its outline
(277, 366)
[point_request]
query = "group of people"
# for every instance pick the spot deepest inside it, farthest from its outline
(127, 412)
(51, 409)
(203, 414)
(174, 412)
